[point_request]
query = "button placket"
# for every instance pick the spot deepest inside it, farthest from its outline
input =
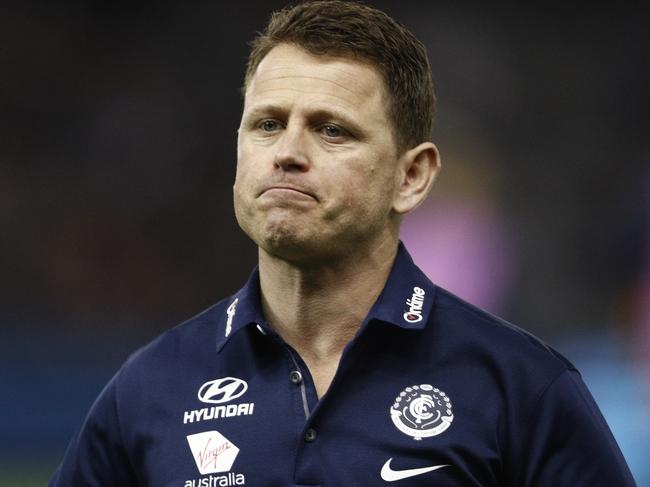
(307, 464)
(295, 377)
(310, 435)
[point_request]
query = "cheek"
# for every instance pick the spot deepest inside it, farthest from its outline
(243, 188)
(365, 194)
(379, 181)
(240, 178)
(237, 188)
(245, 171)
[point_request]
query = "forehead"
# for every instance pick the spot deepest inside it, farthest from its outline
(289, 73)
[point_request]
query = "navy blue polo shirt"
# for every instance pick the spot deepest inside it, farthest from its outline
(431, 391)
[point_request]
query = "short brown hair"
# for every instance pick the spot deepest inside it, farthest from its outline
(350, 29)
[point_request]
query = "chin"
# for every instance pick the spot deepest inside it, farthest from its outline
(295, 244)
(289, 246)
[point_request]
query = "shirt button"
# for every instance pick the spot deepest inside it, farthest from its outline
(295, 377)
(310, 435)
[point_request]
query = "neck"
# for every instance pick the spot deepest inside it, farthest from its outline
(318, 308)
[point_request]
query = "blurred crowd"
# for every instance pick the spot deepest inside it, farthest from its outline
(117, 157)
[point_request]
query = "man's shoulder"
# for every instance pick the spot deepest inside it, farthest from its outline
(478, 332)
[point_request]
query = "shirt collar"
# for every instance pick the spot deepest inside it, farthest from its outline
(406, 301)
(407, 298)
(244, 308)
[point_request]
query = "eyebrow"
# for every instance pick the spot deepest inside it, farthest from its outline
(264, 110)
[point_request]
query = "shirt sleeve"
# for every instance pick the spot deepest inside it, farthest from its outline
(97, 456)
(568, 443)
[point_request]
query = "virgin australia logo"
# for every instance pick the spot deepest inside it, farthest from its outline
(214, 453)
(415, 304)
(222, 390)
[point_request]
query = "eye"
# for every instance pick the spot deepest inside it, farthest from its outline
(333, 131)
(269, 125)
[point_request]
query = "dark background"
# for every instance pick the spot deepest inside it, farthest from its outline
(117, 156)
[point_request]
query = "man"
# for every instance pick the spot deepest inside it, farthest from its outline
(339, 363)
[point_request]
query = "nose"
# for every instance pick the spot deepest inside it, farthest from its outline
(292, 153)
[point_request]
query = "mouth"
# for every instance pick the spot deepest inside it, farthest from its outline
(284, 190)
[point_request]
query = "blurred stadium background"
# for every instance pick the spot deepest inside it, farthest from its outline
(117, 156)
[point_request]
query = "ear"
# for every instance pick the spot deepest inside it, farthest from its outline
(418, 168)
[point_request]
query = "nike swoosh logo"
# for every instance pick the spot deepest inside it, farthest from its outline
(390, 475)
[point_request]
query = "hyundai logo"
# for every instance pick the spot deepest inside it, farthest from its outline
(222, 390)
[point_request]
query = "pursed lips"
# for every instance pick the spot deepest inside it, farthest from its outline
(288, 189)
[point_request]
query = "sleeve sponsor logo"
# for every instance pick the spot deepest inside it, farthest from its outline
(415, 304)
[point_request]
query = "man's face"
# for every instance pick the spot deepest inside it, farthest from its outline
(316, 160)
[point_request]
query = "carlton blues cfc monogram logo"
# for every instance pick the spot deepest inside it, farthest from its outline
(422, 411)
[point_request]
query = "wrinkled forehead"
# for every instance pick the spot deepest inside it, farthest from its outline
(349, 72)
(290, 72)
(342, 53)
